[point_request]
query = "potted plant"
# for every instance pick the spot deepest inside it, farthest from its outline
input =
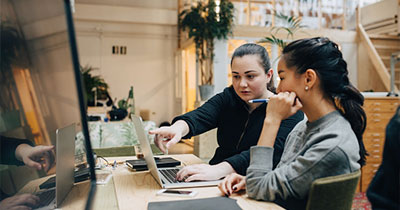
(204, 22)
(95, 86)
(123, 106)
(290, 24)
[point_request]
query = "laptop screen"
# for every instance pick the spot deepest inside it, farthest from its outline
(40, 81)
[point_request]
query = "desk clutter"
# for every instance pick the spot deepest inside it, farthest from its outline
(196, 204)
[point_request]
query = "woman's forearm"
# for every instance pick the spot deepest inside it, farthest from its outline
(269, 132)
(182, 126)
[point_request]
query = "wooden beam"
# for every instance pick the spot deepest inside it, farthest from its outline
(374, 57)
(244, 31)
(141, 15)
(381, 10)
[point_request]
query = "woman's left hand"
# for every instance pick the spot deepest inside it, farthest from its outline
(283, 105)
(232, 183)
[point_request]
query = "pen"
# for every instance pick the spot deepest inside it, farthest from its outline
(259, 100)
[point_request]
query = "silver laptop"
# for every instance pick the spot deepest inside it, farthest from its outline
(166, 177)
(65, 165)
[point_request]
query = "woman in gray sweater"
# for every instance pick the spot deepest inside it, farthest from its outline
(314, 79)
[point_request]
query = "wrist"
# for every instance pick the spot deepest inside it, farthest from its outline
(270, 121)
(182, 126)
(224, 168)
(20, 150)
(269, 132)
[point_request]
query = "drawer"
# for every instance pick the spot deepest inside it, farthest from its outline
(374, 135)
(373, 141)
(380, 115)
(374, 157)
(373, 147)
(381, 105)
(378, 123)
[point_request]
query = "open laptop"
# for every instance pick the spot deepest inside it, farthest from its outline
(65, 165)
(164, 176)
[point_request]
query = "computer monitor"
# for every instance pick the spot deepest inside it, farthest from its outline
(82, 104)
(41, 88)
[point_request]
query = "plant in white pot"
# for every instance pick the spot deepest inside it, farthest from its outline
(206, 21)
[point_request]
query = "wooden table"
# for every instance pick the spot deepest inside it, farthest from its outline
(134, 190)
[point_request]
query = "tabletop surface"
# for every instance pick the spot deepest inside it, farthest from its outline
(134, 190)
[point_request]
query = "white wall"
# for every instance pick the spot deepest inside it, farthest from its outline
(221, 62)
(149, 62)
(350, 54)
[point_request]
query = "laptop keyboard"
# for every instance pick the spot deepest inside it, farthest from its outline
(170, 175)
(46, 197)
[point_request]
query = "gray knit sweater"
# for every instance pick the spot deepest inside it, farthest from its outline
(325, 147)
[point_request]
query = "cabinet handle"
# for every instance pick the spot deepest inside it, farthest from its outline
(377, 103)
(377, 120)
(374, 171)
(377, 109)
(376, 134)
(376, 140)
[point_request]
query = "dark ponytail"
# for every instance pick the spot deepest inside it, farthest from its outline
(325, 58)
(255, 49)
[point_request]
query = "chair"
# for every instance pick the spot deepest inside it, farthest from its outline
(334, 192)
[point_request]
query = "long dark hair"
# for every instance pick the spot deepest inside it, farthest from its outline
(324, 57)
(255, 49)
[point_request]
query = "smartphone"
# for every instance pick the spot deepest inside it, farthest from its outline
(180, 193)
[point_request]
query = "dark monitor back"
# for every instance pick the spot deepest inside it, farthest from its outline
(40, 81)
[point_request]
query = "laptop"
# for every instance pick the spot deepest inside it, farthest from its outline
(164, 176)
(65, 165)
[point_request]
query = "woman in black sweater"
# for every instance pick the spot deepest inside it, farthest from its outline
(239, 122)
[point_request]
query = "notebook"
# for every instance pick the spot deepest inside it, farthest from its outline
(165, 177)
(141, 165)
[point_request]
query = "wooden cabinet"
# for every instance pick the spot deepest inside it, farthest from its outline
(379, 111)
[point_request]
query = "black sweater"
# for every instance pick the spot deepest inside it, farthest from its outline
(238, 129)
(7, 148)
(7, 154)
